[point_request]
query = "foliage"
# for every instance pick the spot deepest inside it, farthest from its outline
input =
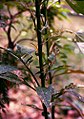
(77, 5)
(47, 50)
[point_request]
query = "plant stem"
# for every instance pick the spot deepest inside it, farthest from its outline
(37, 5)
(47, 50)
(45, 111)
(52, 112)
(47, 44)
(8, 33)
(10, 43)
(38, 30)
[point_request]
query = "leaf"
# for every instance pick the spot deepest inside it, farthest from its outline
(6, 68)
(10, 77)
(70, 89)
(59, 68)
(63, 55)
(81, 46)
(25, 50)
(27, 59)
(80, 36)
(74, 105)
(78, 96)
(45, 94)
(77, 6)
(68, 48)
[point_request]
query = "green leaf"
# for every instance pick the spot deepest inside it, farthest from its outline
(59, 68)
(76, 5)
(6, 68)
(45, 94)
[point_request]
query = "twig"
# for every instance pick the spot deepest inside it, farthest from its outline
(70, 71)
(33, 106)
